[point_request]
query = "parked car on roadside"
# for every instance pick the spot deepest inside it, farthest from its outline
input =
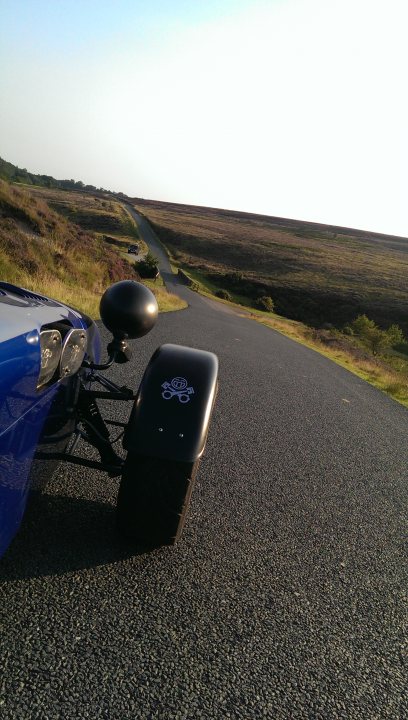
(134, 249)
(50, 384)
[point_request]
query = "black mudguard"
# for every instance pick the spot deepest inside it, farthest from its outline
(172, 411)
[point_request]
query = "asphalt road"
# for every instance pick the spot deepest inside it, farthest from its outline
(285, 596)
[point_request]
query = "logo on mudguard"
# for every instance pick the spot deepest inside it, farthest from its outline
(177, 388)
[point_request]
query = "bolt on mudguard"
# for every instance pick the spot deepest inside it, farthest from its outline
(172, 411)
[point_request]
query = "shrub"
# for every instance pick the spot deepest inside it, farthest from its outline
(373, 337)
(234, 278)
(362, 325)
(395, 334)
(223, 294)
(265, 303)
(148, 267)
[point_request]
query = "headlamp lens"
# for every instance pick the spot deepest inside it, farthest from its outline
(50, 344)
(73, 352)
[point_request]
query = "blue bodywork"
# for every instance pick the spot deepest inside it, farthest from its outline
(24, 409)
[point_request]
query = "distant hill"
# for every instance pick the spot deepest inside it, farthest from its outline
(315, 273)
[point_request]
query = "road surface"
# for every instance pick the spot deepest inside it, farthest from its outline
(285, 596)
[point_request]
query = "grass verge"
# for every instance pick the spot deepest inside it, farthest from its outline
(373, 370)
(167, 301)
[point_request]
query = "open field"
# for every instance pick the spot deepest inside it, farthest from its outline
(315, 273)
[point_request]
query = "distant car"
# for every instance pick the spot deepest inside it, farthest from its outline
(133, 249)
(49, 365)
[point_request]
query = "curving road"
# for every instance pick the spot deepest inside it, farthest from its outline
(284, 598)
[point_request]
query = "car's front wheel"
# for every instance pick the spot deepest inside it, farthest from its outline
(153, 499)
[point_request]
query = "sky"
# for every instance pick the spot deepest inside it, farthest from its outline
(290, 108)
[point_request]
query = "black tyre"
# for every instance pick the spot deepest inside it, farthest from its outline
(153, 499)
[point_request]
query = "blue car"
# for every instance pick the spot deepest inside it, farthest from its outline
(51, 378)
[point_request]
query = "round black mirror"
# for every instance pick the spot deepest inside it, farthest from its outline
(128, 309)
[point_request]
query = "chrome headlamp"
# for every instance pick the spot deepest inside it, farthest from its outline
(50, 345)
(73, 352)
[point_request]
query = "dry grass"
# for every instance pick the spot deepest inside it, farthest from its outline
(167, 301)
(45, 252)
(78, 297)
(95, 213)
(374, 370)
(39, 240)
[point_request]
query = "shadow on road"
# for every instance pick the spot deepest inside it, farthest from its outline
(64, 534)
